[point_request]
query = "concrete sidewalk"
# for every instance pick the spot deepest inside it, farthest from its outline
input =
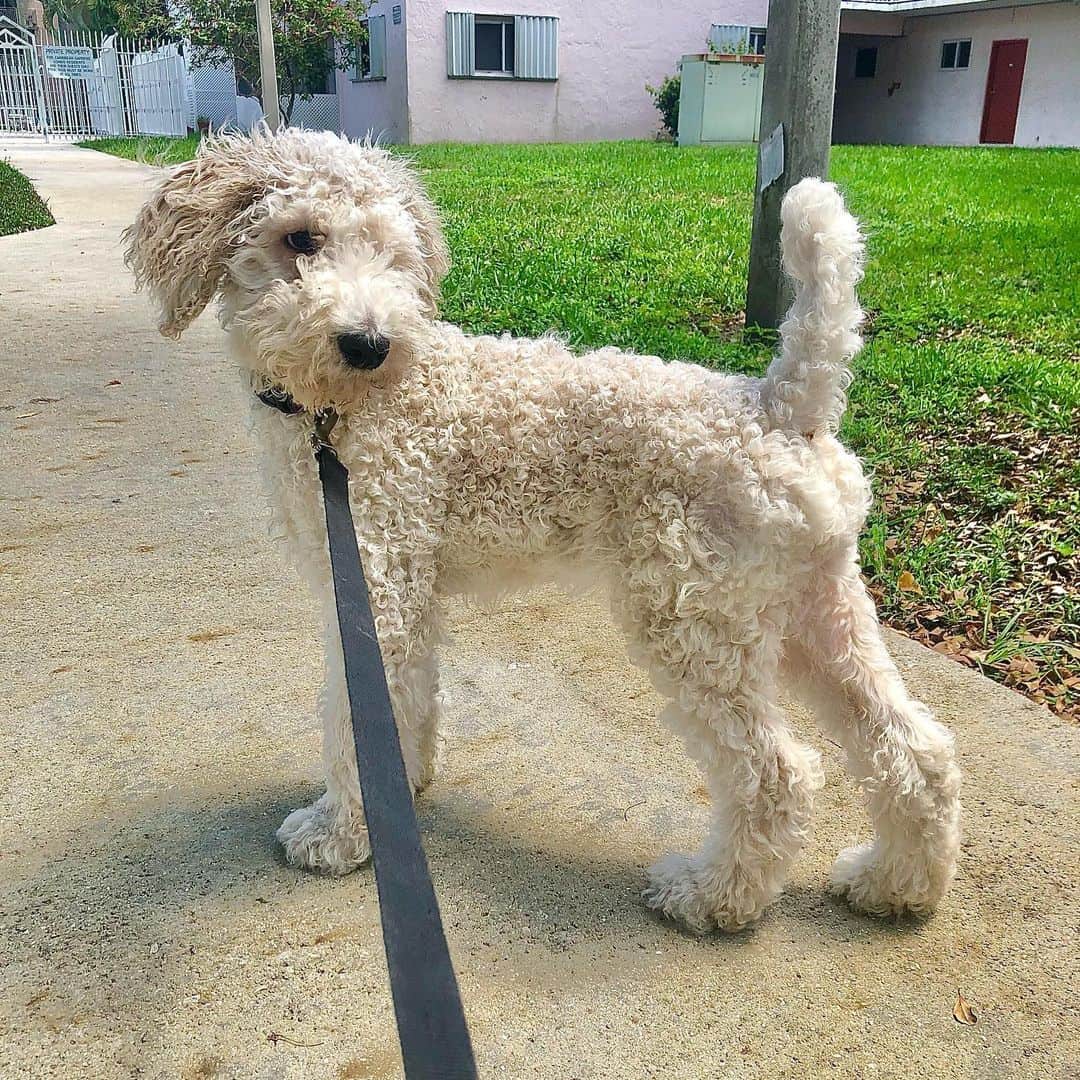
(160, 673)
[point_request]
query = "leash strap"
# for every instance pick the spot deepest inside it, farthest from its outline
(431, 1023)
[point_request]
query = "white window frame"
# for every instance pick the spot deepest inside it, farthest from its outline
(506, 22)
(758, 36)
(955, 65)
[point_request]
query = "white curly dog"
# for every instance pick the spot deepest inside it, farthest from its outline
(721, 511)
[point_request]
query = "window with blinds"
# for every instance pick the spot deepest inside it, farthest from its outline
(501, 46)
(369, 54)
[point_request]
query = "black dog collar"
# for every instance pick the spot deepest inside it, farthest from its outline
(277, 397)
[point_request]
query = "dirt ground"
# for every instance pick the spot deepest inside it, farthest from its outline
(159, 671)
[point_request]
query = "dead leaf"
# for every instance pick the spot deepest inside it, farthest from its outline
(907, 583)
(962, 1012)
(1022, 665)
(113, 382)
(276, 1037)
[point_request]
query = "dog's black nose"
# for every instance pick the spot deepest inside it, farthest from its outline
(364, 351)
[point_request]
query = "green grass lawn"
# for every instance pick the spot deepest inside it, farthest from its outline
(151, 149)
(967, 397)
(21, 207)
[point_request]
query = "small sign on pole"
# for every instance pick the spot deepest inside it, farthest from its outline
(771, 158)
(68, 61)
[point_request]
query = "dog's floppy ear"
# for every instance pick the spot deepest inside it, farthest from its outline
(178, 245)
(429, 229)
(436, 260)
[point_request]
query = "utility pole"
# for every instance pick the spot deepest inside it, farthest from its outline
(794, 138)
(267, 65)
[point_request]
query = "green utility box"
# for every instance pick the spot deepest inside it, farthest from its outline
(720, 99)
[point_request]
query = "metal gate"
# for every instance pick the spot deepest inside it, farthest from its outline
(85, 84)
(22, 92)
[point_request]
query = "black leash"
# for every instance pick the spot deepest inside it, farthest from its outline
(431, 1023)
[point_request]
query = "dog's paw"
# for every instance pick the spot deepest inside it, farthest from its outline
(876, 885)
(321, 838)
(700, 896)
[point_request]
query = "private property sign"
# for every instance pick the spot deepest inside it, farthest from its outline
(69, 61)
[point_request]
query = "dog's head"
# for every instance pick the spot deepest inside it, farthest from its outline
(326, 256)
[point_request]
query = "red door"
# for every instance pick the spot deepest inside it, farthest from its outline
(1003, 82)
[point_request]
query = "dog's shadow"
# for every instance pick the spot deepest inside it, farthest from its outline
(186, 866)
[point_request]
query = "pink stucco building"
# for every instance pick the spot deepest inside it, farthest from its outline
(908, 71)
(522, 70)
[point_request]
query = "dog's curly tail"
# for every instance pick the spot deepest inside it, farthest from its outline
(822, 252)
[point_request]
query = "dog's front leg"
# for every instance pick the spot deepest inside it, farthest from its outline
(331, 835)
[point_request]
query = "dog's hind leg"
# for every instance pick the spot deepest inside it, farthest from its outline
(900, 755)
(331, 835)
(761, 778)
(762, 782)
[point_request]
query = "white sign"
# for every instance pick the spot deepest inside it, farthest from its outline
(771, 158)
(69, 61)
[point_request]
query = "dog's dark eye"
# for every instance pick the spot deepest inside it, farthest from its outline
(302, 242)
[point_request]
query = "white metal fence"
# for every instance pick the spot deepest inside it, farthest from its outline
(82, 84)
(216, 99)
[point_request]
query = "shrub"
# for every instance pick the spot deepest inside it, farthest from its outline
(666, 98)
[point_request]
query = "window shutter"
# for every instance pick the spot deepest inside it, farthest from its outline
(536, 47)
(729, 38)
(460, 44)
(377, 46)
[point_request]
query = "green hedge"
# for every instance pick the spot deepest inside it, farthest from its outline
(21, 207)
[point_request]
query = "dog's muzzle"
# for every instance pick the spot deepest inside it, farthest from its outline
(363, 351)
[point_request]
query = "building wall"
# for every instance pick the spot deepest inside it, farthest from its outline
(931, 106)
(380, 107)
(608, 51)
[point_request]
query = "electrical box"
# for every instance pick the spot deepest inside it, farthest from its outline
(720, 99)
